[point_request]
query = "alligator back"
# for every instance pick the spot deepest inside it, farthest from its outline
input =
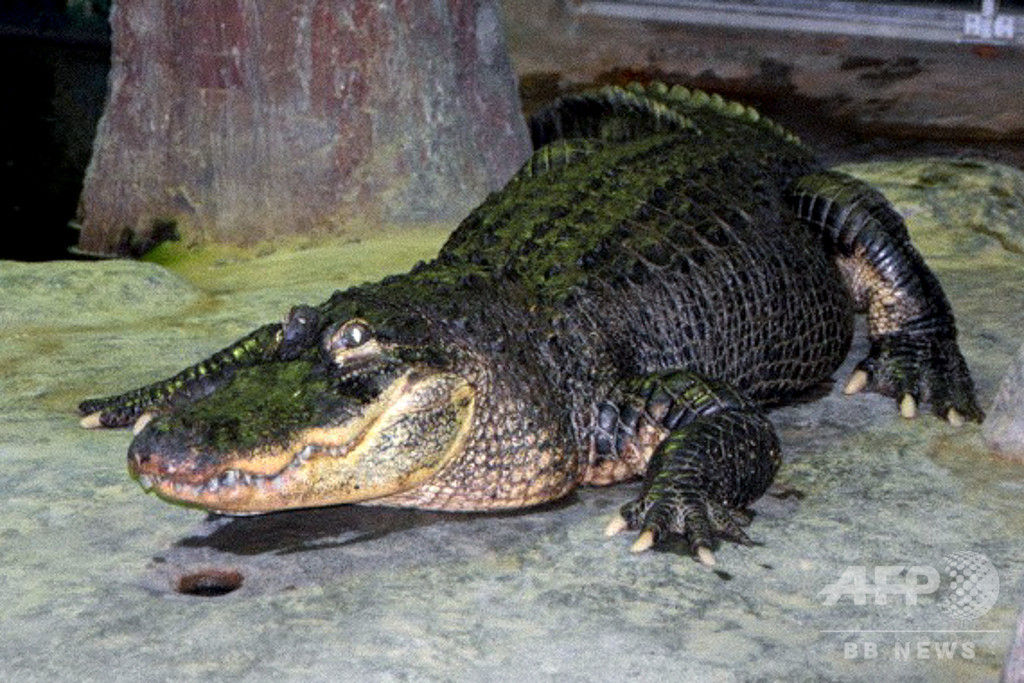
(650, 232)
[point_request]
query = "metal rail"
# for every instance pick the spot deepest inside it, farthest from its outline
(899, 21)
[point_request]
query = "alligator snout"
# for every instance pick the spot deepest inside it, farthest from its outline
(137, 459)
(159, 453)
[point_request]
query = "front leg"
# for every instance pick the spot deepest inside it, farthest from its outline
(283, 341)
(719, 454)
(914, 355)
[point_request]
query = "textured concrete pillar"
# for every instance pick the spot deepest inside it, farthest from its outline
(238, 121)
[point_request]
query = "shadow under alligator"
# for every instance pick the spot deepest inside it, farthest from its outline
(298, 531)
(284, 550)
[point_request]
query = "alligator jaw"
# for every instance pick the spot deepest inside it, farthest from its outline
(227, 492)
(394, 444)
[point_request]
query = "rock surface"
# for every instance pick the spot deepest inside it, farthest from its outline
(887, 86)
(101, 582)
(1013, 669)
(1004, 428)
(70, 293)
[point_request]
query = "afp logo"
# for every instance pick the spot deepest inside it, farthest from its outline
(967, 588)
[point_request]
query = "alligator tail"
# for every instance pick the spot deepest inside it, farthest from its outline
(626, 113)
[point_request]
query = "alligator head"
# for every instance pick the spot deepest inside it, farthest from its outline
(338, 408)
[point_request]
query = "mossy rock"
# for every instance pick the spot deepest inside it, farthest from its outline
(79, 293)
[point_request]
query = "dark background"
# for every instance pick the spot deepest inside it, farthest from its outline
(55, 61)
(55, 56)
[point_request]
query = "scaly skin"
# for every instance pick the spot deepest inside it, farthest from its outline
(665, 266)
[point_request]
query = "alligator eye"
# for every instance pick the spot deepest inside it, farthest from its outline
(351, 335)
(299, 331)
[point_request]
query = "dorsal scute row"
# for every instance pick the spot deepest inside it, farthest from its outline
(616, 114)
(681, 96)
(610, 114)
(559, 154)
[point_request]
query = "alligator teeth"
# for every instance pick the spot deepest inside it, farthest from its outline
(228, 479)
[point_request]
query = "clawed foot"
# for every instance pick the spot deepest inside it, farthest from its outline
(917, 369)
(100, 413)
(692, 516)
(114, 412)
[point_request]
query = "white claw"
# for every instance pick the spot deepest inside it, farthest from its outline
(955, 418)
(705, 556)
(92, 420)
(858, 380)
(141, 423)
(908, 406)
(643, 542)
(616, 526)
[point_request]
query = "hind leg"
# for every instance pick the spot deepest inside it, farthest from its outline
(914, 355)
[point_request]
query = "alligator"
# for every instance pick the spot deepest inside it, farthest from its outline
(665, 268)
